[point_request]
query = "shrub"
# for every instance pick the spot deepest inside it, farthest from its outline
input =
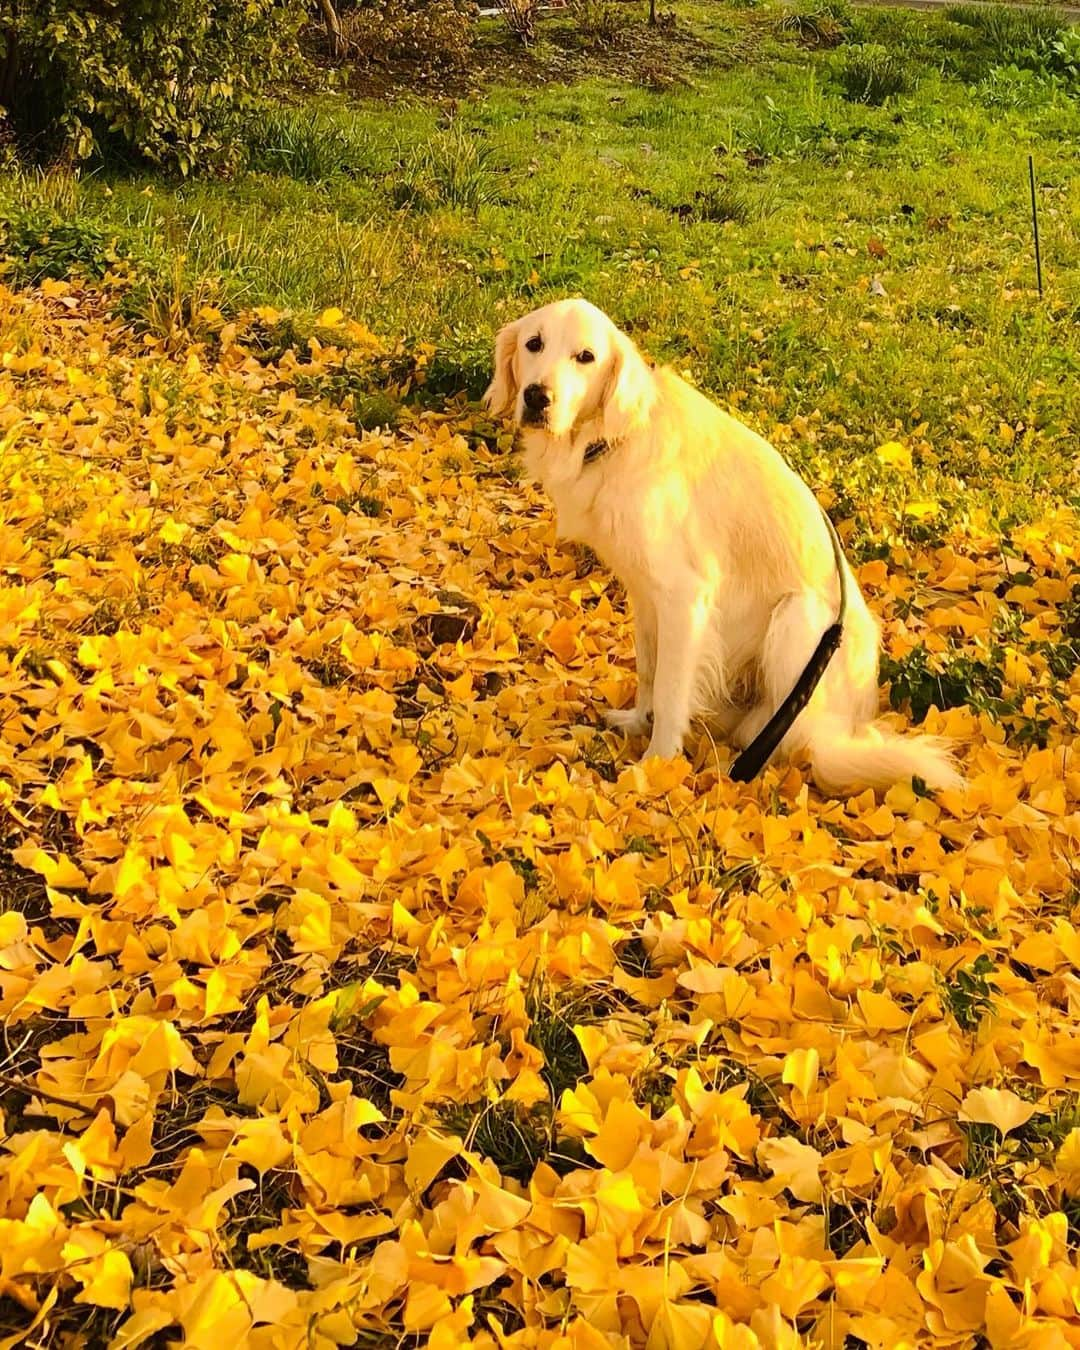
(601, 21)
(40, 242)
(170, 79)
(871, 73)
(520, 17)
(437, 33)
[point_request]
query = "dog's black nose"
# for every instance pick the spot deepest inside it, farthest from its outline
(537, 397)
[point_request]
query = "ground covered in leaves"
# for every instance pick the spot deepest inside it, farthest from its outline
(357, 988)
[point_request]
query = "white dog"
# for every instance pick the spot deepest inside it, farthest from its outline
(724, 552)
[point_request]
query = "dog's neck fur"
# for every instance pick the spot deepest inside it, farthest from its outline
(557, 461)
(575, 487)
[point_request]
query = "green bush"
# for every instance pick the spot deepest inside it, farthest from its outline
(170, 80)
(982, 38)
(39, 242)
(871, 73)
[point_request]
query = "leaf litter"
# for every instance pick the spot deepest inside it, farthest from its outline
(358, 989)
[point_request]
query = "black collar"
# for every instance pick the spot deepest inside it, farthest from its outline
(595, 450)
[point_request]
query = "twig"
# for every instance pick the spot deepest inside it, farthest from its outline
(21, 1085)
(1035, 223)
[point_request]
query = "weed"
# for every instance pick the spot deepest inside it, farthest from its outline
(171, 305)
(45, 233)
(827, 24)
(513, 1137)
(871, 73)
(1006, 1165)
(1010, 88)
(735, 201)
(520, 18)
(1008, 30)
(917, 684)
(306, 144)
(969, 995)
(601, 21)
(551, 1030)
(453, 168)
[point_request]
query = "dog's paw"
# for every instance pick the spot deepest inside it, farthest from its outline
(662, 749)
(630, 721)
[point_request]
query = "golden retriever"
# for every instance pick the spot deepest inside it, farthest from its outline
(724, 552)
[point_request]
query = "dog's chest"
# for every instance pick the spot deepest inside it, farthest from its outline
(597, 512)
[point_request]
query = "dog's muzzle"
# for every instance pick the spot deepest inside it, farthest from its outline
(537, 400)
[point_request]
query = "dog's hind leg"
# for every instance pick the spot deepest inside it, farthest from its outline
(635, 721)
(682, 624)
(794, 631)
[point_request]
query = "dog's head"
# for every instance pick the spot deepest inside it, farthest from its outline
(567, 364)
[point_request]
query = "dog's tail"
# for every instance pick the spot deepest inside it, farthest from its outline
(875, 756)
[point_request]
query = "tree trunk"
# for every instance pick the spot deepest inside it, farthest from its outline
(9, 69)
(652, 13)
(333, 27)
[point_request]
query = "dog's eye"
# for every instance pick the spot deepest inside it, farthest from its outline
(583, 358)
(535, 344)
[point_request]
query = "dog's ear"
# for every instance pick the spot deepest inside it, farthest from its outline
(629, 392)
(502, 391)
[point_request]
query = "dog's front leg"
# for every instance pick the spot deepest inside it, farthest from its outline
(635, 721)
(682, 623)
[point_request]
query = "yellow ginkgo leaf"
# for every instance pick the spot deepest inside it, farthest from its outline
(1068, 1163)
(794, 1166)
(999, 1107)
(894, 455)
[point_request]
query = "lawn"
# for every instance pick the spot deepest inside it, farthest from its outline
(356, 986)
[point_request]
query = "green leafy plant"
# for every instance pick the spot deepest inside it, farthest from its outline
(969, 996)
(46, 232)
(919, 683)
(1007, 30)
(1010, 87)
(169, 80)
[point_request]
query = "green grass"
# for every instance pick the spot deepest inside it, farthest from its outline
(743, 225)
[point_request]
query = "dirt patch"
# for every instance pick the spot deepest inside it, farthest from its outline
(660, 57)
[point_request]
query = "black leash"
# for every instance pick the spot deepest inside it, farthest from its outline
(756, 755)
